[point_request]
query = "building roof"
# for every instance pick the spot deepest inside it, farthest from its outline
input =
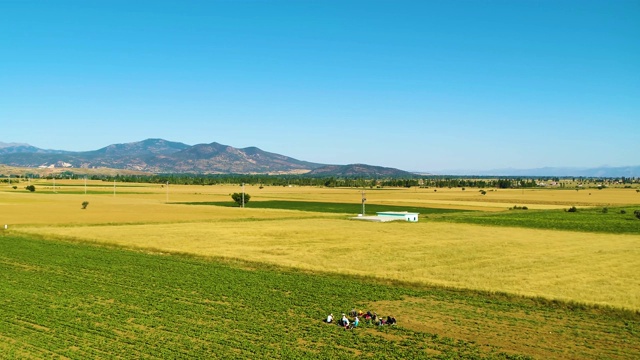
(396, 213)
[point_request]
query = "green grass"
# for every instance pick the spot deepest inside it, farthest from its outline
(586, 220)
(80, 301)
(328, 207)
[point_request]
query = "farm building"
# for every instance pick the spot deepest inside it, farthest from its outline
(384, 216)
(400, 215)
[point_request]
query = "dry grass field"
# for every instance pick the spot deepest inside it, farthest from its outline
(580, 267)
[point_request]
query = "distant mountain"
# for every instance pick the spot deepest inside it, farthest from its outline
(602, 171)
(159, 156)
(218, 158)
(363, 170)
(16, 148)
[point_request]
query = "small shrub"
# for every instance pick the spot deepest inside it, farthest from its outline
(482, 192)
(637, 214)
(572, 209)
(14, 187)
(623, 211)
(463, 189)
(84, 204)
(605, 210)
(31, 188)
(638, 190)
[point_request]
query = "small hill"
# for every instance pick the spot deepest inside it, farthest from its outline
(360, 170)
(18, 148)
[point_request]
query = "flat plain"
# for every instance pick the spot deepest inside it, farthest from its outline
(591, 272)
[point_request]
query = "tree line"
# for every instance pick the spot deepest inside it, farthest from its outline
(436, 181)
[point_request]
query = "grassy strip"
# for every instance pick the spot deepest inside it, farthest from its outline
(327, 207)
(585, 220)
(80, 301)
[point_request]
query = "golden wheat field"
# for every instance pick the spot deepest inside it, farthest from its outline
(581, 267)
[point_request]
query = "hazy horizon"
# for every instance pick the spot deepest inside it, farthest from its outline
(418, 85)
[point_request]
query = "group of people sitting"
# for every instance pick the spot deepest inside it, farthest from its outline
(369, 317)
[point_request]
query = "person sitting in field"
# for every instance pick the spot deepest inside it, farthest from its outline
(380, 322)
(391, 321)
(353, 312)
(344, 322)
(360, 313)
(354, 324)
(329, 319)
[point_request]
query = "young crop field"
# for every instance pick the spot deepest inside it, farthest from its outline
(325, 207)
(78, 301)
(617, 220)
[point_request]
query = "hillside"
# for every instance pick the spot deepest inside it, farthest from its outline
(162, 156)
(363, 170)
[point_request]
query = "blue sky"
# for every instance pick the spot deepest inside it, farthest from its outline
(417, 85)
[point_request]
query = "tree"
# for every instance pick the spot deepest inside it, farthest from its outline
(30, 188)
(84, 204)
(637, 214)
(237, 197)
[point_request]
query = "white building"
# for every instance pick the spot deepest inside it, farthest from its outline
(385, 216)
(399, 215)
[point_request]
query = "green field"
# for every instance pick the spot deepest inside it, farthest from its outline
(584, 220)
(328, 207)
(78, 301)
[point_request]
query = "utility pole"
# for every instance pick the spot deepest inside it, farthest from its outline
(114, 187)
(85, 184)
(243, 195)
(167, 191)
(363, 201)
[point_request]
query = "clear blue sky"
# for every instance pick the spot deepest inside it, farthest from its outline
(417, 85)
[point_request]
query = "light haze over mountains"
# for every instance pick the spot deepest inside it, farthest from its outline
(162, 156)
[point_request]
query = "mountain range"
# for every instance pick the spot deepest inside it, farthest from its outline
(162, 156)
(595, 172)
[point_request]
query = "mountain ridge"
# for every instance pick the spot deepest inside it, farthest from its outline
(163, 156)
(595, 172)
